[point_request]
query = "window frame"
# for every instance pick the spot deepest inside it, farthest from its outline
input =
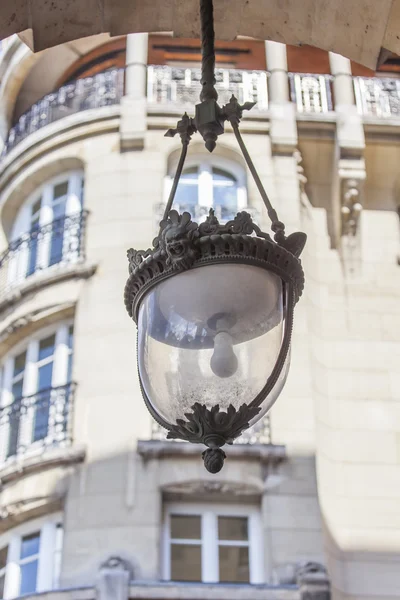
(49, 568)
(205, 165)
(60, 359)
(209, 541)
(24, 224)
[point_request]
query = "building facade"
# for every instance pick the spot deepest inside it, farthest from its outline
(94, 501)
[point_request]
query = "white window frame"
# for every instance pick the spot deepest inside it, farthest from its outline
(48, 573)
(22, 226)
(204, 167)
(59, 378)
(209, 542)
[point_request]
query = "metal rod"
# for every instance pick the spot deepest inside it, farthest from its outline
(208, 91)
(271, 211)
(182, 158)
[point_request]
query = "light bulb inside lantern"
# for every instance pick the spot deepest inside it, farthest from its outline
(224, 362)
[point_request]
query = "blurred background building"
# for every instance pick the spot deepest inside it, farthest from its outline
(95, 503)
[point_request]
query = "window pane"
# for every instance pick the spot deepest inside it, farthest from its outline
(60, 190)
(186, 196)
(30, 545)
(70, 336)
(185, 527)
(45, 376)
(19, 363)
(42, 412)
(225, 193)
(185, 562)
(3, 557)
(36, 209)
(234, 564)
(232, 528)
(28, 577)
(16, 390)
(2, 578)
(46, 347)
(220, 175)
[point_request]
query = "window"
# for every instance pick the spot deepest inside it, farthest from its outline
(30, 557)
(213, 544)
(47, 229)
(3, 564)
(203, 186)
(34, 395)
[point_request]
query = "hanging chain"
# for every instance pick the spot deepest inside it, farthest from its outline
(208, 91)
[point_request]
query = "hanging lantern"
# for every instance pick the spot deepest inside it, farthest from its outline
(213, 302)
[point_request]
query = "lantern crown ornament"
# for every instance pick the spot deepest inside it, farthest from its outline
(213, 302)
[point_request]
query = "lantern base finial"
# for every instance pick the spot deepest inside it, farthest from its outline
(213, 459)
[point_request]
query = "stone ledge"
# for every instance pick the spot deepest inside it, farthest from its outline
(52, 457)
(167, 590)
(265, 453)
(77, 270)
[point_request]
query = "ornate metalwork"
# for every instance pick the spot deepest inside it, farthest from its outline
(52, 246)
(311, 93)
(103, 89)
(183, 242)
(214, 427)
(260, 433)
(173, 85)
(377, 96)
(33, 423)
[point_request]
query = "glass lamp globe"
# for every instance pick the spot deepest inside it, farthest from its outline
(214, 314)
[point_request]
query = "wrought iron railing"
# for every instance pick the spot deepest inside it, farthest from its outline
(311, 93)
(103, 89)
(174, 85)
(260, 433)
(377, 96)
(36, 422)
(49, 247)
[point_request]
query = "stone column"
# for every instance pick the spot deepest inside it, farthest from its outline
(283, 128)
(134, 104)
(349, 161)
(283, 137)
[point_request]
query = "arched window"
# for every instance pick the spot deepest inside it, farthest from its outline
(30, 557)
(217, 184)
(36, 393)
(48, 228)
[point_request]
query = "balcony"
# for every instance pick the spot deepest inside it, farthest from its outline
(311, 93)
(172, 85)
(43, 253)
(103, 89)
(32, 424)
(377, 96)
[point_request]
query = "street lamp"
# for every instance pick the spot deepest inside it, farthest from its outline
(213, 302)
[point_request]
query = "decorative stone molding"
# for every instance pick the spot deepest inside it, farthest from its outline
(53, 457)
(351, 207)
(208, 488)
(14, 513)
(313, 581)
(74, 271)
(113, 579)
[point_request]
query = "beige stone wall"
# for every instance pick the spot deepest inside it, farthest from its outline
(340, 405)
